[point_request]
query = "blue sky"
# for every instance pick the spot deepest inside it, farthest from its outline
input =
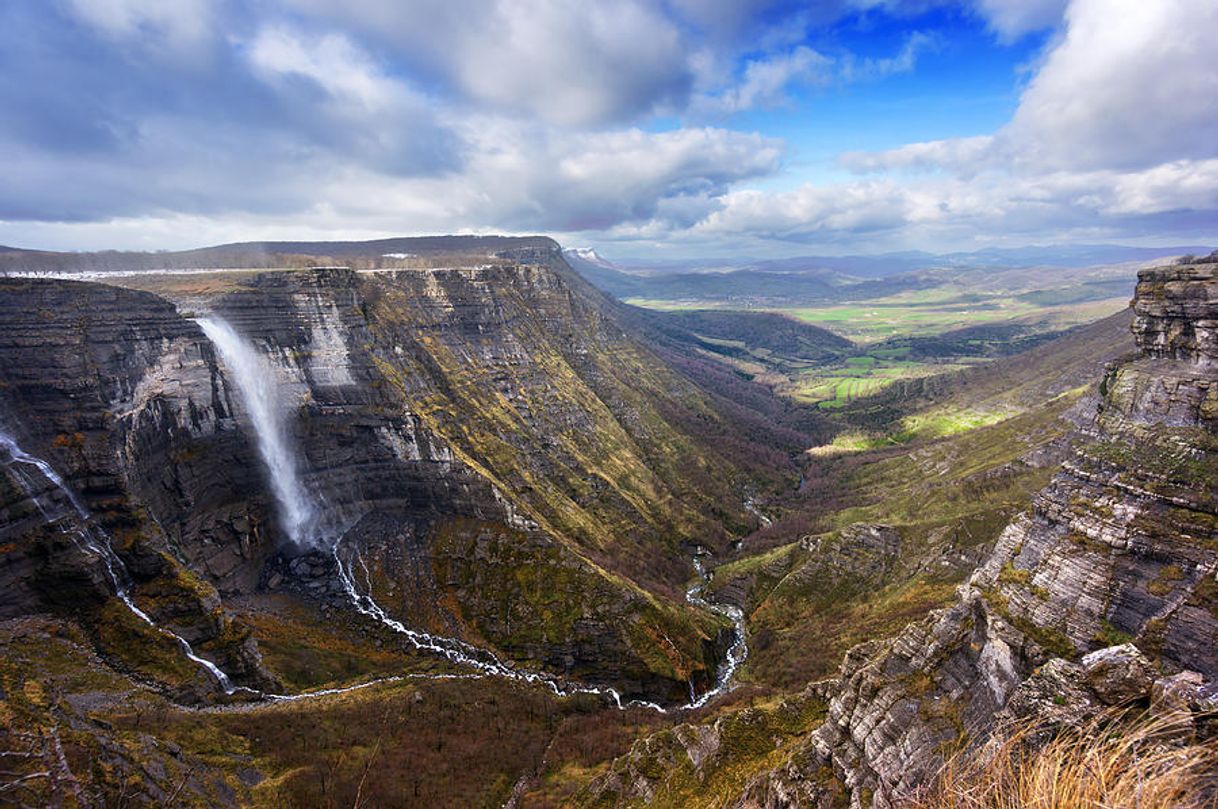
(642, 127)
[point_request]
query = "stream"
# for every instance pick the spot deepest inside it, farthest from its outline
(254, 379)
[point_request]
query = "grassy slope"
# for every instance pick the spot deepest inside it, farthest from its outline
(946, 490)
(947, 497)
(941, 320)
(583, 436)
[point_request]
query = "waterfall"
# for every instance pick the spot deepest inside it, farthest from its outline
(91, 538)
(255, 380)
(737, 653)
(256, 383)
(17, 455)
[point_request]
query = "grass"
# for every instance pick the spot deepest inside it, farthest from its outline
(795, 641)
(881, 320)
(956, 492)
(918, 316)
(1109, 762)
(833, 386)
(937, 423)
(682, 769)
(925, 312)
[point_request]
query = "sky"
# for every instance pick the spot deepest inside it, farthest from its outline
(665, 128)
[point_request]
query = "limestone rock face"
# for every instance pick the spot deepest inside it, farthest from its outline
(1107, 580)
(1176, 313)
(113, 389)
(500, 394)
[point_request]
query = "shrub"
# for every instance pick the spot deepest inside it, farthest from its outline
(1108, 762)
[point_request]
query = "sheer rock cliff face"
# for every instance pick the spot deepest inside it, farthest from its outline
(121, 395)
(1121, 546)
(491, 418)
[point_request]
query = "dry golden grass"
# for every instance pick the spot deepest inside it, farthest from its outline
(1110, 763)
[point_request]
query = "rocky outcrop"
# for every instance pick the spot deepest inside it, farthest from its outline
(114, 390)
(123, 396)
(1120, 548)
(1123, 543)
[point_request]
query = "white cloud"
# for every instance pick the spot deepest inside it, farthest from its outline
(346, 74)
(1011, 19)
(174, 25)
(993, 203)
(903, 61)
(575, 66)
(765, 82)
(960, 155)
(535, 179)
(376, 117)
(1132, 84)
(560, 62)
(1117, 129)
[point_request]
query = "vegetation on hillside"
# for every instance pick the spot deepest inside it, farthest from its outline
(1128, 761)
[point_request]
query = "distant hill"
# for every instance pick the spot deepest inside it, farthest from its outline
(257, 255)
(805, 280)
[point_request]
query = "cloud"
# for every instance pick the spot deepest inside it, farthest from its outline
(1116, 129)
(1129, 85)
(331, 62)
(566, 63)
(528, 178)
(309, 125)
(872, 69)
(1132, 84)
(374, 117)
(1011, 19)
(958, 155)
(952, 209)
(765, 82)
(170, 27)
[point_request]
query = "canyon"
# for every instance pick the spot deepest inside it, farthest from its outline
(300, 514)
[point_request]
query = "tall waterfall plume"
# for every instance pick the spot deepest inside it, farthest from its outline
(256, 382)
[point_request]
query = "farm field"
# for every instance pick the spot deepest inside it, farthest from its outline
(907, 316)
(841, 383)
(910, 334)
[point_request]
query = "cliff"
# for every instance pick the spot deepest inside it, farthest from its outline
(1101, 593)
(1120, 547)
(509, 466)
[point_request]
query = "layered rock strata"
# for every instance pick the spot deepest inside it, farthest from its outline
(1121, 547)
(495, 396)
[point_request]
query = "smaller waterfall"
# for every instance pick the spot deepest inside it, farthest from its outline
(256, 382)
(90, 538)
(737, 653)
(19, 456)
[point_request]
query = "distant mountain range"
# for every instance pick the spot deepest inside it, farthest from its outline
(880, 264)
(829, 278)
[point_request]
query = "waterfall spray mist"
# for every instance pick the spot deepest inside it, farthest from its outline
(256, 383)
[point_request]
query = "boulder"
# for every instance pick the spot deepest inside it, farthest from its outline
(1119, 674)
